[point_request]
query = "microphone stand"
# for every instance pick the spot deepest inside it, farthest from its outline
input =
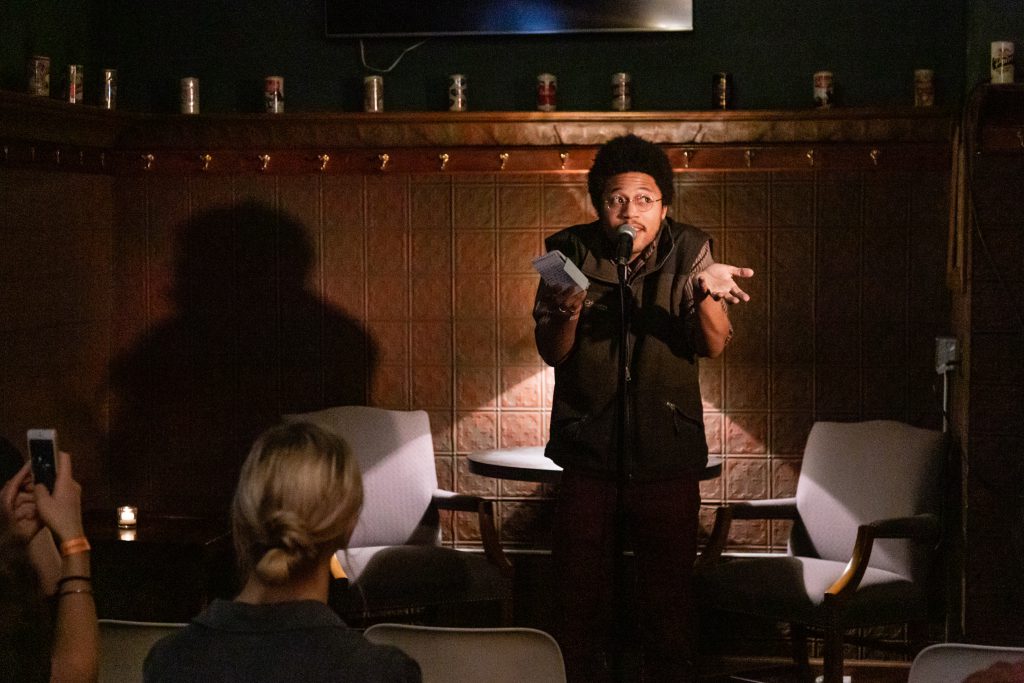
(619, 581)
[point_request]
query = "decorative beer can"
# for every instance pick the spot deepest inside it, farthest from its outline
(823, 89)
(39, 76)
(373, 94)
(622, 91)
(76, 77)
(457, 92)
(190, 95)
(721, 90)
(109, 97)
(273, 94)
(924, 87)
(1002, 61)
(547, 88)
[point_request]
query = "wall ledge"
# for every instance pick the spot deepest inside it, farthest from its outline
(44, 119)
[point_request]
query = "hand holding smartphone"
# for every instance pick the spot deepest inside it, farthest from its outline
(42, 448)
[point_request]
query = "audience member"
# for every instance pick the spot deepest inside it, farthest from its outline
(31, 517)
(297, 501)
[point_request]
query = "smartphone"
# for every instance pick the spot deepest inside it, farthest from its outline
(42, 449)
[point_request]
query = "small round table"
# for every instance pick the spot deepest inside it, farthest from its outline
(529, 463)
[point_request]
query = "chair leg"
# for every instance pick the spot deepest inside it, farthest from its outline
(917, 636)
(833, 655)
(798, 643)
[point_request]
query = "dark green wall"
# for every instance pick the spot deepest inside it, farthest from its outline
(772, 48)
(59, 29)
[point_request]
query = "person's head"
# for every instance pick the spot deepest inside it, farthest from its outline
(297, 501)
(630, 182)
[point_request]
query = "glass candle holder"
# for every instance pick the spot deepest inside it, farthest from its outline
(126, 534)
(127, 516)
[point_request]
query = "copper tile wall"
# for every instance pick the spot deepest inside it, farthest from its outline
(435, 269)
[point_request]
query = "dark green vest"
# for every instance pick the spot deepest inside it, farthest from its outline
(665, 434)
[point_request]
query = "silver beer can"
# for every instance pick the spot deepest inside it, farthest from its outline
(924, 87)
(39, 76)
(823, 89)
(109, 96)
(373, 94)
(457, 92)
(622, 91)
(273, 94)
(76, 78)
(190, 95)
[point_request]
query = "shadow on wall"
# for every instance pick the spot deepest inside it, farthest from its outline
(248, 341)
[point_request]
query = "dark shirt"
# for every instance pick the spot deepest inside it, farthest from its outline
(289, 641)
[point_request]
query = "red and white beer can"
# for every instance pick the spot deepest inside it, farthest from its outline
(547, 88)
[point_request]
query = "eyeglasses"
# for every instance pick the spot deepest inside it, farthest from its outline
(642, 202)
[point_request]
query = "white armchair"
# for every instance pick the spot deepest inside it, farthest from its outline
(394, 561)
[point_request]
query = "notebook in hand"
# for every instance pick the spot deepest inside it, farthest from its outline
(558, 271)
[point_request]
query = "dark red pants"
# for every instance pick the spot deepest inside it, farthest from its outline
(661, 528)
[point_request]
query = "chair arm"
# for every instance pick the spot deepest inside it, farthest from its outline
(459, 502)
(484, 509)
(920, 527)
(773, 508)
(923, 527)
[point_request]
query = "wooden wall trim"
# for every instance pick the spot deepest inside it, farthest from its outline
(51, 135)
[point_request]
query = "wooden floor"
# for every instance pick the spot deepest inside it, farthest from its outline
(782, 671)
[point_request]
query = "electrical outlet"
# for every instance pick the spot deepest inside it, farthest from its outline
(947, 353)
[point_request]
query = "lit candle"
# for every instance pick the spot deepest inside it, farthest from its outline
(126, 534)
(127, 516)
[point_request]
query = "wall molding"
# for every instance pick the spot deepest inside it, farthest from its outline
(46, 134)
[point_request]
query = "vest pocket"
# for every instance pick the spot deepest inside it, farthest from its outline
(681, 422)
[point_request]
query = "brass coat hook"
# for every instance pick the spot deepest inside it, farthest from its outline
(56, 156)
(443, 158)
(147, 160)
(206, 159)
(503, 157)
(810, 157)
(686, 158)
(264, 162)
(324, 159)
(1020, 137)
(748, 157)
(383, 159)
(874, 154)
(564, 156)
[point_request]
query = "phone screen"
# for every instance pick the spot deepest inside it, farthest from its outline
(44, 461)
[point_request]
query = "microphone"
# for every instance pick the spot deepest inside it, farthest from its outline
(624, 244)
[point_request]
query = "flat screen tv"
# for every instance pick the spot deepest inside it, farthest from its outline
(380, 18)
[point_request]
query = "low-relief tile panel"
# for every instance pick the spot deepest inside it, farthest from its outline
(475, 342)
(520, 429)
(700, 205)
(475, 387)
(519, 206)
(521, 386)
(474, 207)
(431, 251)
(476, 431)
(475, 252)
(431, 342)
(431, 297)
(746, 433)
(431, 386)
(516, 251)
(475, 297)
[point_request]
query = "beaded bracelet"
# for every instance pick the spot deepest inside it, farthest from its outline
(74, 546)
(65, 579)
(75, 591)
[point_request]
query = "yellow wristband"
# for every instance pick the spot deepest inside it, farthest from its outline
(74, 546)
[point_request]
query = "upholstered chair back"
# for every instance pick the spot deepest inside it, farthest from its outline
(395, 452)
(856, 473)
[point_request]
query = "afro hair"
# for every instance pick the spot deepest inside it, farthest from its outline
(630, 154)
